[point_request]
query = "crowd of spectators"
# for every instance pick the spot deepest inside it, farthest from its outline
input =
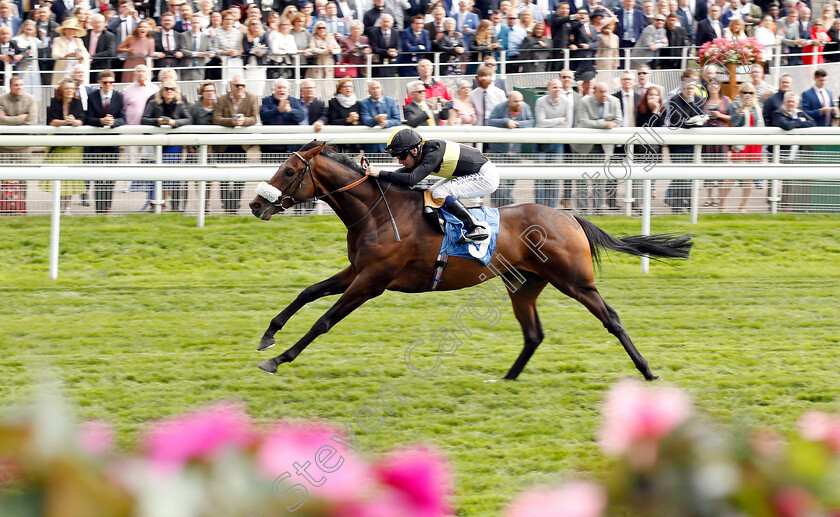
(237, 46)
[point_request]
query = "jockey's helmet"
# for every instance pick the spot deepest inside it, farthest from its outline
(403, 140)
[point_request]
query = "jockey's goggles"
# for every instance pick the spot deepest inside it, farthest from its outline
(400, 155)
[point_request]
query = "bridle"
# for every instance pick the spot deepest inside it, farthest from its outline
(297, 182)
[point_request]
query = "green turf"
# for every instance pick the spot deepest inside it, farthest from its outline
(151, 316)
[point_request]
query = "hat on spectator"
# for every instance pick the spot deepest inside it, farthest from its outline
(106, 7)
(71, 23)
(599, 12)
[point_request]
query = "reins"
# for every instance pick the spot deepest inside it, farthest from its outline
(298, 182)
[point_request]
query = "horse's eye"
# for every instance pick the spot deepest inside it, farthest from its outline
(290, 172)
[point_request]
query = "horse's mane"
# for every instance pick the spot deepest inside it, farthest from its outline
(333, 154)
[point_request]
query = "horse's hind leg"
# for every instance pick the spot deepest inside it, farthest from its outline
(335, 284)
(583, 290)
(525, 309)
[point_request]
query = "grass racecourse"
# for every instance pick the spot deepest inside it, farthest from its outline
(152, 316)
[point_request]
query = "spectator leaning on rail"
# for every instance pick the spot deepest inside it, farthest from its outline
(65, 110)
(201, 114)
(465, 171)
(513, 114)
(17, 108)
(773, 102)
(316, 109)
(551, 111)
(105, 109)
(237, 108)
(280, 109)
(600, 111)
(379, 110)
(817, 101)
(166, 109)
(344, 109)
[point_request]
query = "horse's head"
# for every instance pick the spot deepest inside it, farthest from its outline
(293, 182)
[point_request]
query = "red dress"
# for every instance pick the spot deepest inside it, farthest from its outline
(750, 153)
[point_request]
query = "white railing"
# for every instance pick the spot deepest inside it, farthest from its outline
(203, 136)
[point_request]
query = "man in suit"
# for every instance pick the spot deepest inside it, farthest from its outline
(788, 116)
(195, 45)
(435, 27)
(281, 110)
(6, 18)
(167, 44)
(316, 109)
(817, 101)
(237, 108)
(414, 44)
(379, 110)
(710, 28)
(677, 37)
(105, 109)
(686, 17)
(562, 26)
(788, 30)
(466, 21)
(62, 9)
(585, 43)
(513, 114)
(372, 17)
(628, 99)
(653, 39)
(101, 45)
(418, 112)
(186, 21)
(631, 22)
(773, 102)
(385, 45)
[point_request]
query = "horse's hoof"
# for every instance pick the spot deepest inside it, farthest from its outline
(268, 367)
(265, 344)
(652, 378)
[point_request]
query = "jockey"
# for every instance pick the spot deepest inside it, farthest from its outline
(465, 171)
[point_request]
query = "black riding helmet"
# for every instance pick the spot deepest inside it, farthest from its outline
(403, 140)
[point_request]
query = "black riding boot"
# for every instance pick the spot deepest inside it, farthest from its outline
(472, 231)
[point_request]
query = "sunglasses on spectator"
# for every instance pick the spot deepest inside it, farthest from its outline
(211, 90)
(644, 73)
(169, 88)
(567, 77)
(748, 92)
(106, 82)
(419, 91)
(239, 85)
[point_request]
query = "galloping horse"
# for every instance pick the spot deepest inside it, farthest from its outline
(542, 245)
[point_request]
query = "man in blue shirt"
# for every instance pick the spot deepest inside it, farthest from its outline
(511, 37)
(281, 110)
(379, 110)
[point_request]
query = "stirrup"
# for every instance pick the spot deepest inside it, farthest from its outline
(476, 234)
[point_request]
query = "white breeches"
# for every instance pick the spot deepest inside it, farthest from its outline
(482, 183)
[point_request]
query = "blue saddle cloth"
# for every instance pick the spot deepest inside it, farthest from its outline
(481, 251)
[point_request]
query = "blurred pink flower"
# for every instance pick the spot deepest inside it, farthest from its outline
(422, 476)
(573, 499)
(95, 437)
(175, 441)
(634, 413)
(817, 426)
(298, 442)
(793, 501)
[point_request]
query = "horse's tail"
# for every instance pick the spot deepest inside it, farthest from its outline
(660, 245)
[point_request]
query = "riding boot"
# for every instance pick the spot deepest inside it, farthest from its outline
(472, 231)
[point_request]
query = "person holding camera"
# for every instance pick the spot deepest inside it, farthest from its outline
(166, 109)
(422, 111)
(354, 48)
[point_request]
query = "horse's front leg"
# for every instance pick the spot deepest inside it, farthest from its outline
(335, 284)
(361, 290)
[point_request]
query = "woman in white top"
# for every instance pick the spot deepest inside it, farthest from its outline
(27, 68)
(764, 34)
(227, 44)
(736, 28)
(282, 46)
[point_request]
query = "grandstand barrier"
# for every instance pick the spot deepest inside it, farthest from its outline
(630, 168)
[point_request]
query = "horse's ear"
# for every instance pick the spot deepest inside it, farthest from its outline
(315, 151)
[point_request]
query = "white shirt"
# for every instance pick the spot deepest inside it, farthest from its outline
(570, 113)
(627, 102)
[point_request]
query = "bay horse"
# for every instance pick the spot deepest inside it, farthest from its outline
(562, 255)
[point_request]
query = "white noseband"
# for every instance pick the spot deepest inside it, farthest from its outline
(269, 192)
